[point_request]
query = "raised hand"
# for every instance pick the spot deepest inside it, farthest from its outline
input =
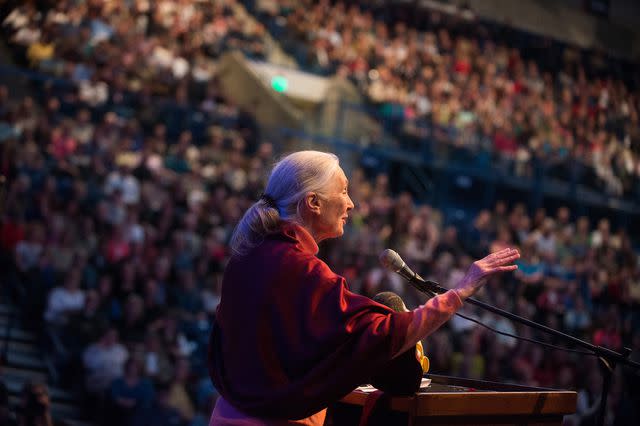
(481, 269)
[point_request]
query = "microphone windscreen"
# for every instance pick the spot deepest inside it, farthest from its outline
(391, 300)
(389, 259)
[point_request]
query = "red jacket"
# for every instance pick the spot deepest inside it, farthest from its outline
(289, 337)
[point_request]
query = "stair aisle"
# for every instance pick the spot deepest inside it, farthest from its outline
(22, 361)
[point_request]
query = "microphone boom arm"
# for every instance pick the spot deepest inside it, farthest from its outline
(607, 357)
(432, 287)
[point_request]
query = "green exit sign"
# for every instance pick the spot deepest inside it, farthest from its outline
(279, 84)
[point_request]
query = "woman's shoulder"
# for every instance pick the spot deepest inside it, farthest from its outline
(289, 239)
(279, 258)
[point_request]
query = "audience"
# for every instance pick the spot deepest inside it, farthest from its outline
(472, 86)
(120, 203)
(129, 394)
(103, 361)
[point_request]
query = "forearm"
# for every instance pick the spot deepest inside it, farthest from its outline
(430, 316)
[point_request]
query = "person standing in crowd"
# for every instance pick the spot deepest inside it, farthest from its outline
(312, 340)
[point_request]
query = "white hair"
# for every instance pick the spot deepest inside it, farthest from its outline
(290, 180)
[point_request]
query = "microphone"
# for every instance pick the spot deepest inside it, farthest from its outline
(391, 300)
(392, 261)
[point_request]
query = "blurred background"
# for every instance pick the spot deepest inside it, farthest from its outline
(134, 134)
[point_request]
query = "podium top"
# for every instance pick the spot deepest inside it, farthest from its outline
(449, 396)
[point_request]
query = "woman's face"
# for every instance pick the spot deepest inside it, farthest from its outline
(334, 205)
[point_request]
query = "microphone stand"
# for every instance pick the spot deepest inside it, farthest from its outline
(608, 359)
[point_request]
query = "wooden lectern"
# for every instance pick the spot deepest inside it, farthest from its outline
(456, 401)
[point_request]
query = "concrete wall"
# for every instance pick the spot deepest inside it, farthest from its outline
(246, 89)
(565, 21)
(247, 85)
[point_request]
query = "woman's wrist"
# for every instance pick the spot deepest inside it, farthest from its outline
(464, 289)
(460, 296)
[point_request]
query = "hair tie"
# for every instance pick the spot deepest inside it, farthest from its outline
(269, 201)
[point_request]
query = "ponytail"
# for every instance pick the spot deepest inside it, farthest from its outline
(259, 220)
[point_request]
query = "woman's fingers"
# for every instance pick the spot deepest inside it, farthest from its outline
(507, 268)
(502, 257)
(481, 269)
(510, 258)
(493, 262)
(503, 251)
(506, 253)
(499, 262)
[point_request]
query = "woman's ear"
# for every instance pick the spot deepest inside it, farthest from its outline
(312, 203)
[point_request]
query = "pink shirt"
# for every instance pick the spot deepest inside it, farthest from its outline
(225, 414)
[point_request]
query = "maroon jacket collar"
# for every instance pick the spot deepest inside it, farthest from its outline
(302, 237)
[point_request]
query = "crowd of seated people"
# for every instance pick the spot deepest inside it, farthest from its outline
(469, 84)
(118, 248)
(119, 209)
(116, 239)
(456, 83)
(135, 46)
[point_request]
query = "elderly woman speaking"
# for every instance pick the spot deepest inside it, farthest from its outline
(289, 338)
